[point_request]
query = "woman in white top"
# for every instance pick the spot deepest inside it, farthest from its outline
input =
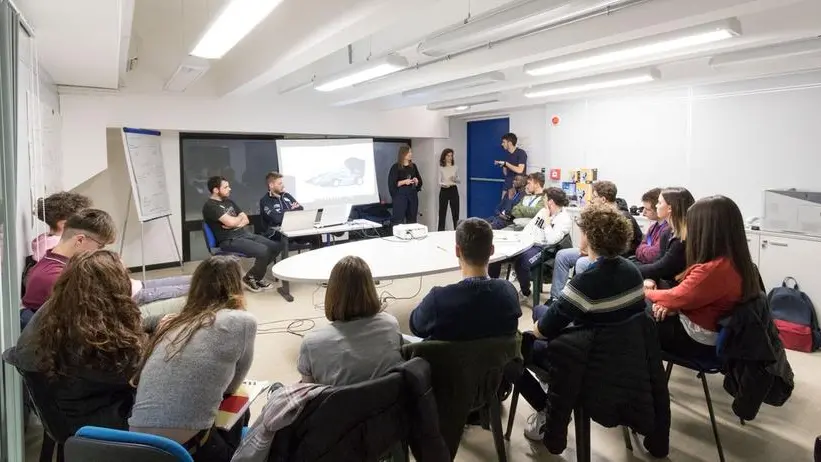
(448, 192)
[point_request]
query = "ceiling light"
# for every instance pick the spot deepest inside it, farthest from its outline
(464, 103)
(798, 48)
(369, 70)
(641, 48)
(458, 84)
(235, 21)
(510, 21)
(617, 79)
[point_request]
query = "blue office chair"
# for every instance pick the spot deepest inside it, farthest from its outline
(211, 243)
(703, 367)
(97, 443)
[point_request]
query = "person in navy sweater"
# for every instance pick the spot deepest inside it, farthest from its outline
(502, 215)
(477, 307)
(274, 204)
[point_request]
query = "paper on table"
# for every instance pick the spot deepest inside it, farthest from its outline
(235, 405)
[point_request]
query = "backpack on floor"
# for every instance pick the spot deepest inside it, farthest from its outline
(795, 317)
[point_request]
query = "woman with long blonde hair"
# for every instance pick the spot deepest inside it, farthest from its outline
(85, 342)
(194, 360)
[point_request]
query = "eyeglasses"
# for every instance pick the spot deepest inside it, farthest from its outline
(100, 245)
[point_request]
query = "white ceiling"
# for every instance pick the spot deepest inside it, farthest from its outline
(81, 42)
(306, 38)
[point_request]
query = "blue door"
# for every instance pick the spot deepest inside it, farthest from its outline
(485, 180)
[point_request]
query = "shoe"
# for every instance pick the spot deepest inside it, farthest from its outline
(251, 284)
(534, 430)
(264, 285)
(525, 299)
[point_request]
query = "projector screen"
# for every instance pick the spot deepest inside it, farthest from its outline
(329, 172)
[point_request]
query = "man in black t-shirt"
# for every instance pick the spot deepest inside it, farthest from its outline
(515, 163)
(227, 221)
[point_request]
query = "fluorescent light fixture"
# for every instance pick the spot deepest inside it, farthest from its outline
(616, 79)
(235, 21)
(462, 104)
(512, 20)
(297, 86)
(364, 72)
(794, 49)
(458, 84)
(641, 48)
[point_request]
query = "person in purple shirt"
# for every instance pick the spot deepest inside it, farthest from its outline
(515, 163)
(650, 248)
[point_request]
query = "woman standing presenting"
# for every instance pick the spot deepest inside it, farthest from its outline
(448, 192)
(405, 182)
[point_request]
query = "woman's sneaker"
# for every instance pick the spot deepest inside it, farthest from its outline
(251, 284)
(534, 430)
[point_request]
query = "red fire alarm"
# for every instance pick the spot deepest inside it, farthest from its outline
(555, 174)
(555, 120)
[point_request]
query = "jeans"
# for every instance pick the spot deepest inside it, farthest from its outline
(221, 444)
(25, 317)
(263, 250)
(162, 289)
(566, 259)
(448, 196)
(522, 265)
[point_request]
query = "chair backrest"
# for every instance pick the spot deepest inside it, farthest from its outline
(465, 376)
(350, 423)
(96, 443)
(210, 240)
(44, 404)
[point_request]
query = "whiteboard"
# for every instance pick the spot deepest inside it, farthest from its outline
(143, 156)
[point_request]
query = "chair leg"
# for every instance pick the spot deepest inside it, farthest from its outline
(47, 449)
(514, 400)
(509, 269)
(60, 456)
(496, 427)
(628, 443)
(582, 423)
(712, 415)
(669, 370)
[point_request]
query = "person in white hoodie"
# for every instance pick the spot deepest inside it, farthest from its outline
(547, 228)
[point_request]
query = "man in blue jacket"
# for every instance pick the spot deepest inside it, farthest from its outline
(274, 204)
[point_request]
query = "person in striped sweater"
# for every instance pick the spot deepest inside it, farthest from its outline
(609, 291)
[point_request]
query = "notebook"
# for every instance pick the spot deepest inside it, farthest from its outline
(235, 405)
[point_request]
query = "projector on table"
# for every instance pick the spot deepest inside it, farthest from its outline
(411, 231)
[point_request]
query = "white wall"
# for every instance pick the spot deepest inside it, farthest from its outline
(529, 126)
(735, 139)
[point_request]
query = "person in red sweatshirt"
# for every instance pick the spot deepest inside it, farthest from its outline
(720, 274)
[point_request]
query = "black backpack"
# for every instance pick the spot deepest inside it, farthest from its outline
(795, 317)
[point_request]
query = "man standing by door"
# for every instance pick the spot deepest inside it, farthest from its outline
(515, 162)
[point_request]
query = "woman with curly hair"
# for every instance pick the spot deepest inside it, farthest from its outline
(610, 291)
(85, 343)
(195, 359)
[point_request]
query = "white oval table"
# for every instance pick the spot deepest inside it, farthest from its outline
(392, 258)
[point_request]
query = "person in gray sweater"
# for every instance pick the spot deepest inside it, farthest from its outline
(362, 342)
(194, 360)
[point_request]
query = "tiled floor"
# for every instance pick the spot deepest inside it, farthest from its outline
(778, 434)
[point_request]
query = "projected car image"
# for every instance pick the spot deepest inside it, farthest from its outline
(352, 173)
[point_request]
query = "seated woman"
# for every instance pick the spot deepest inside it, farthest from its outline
(720, 274)
(503, 213)
(362, 342)
(195, 359)
(672, 207)
(85, 342)
(609, 291)
(55, 211)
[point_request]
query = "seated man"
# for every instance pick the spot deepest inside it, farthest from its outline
(274, 204)
(475, 308)
(650, 248)
(610, 291)
(547, 228)
(604, 193)
(502, 214)
(532, 203)
(89, 229)
(227, 221)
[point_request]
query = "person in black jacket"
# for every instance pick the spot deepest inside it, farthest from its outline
(672, 207)
(274, 204)
(404, 183)
(84, 344)
(609, 291)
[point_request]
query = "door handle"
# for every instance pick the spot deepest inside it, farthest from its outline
(779, 244)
